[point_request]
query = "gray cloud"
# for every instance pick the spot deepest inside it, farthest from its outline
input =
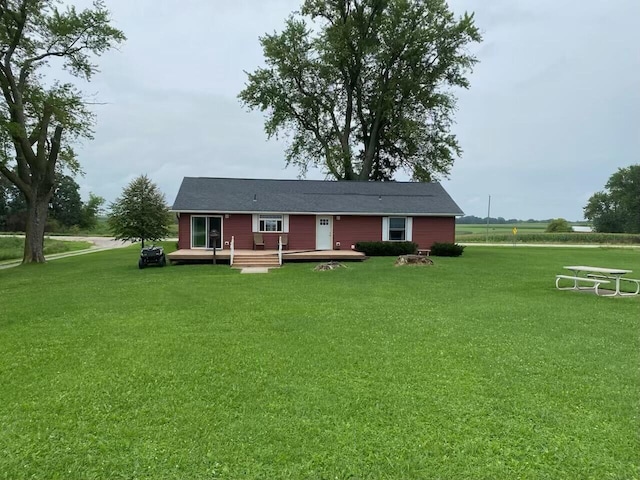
(552, 111)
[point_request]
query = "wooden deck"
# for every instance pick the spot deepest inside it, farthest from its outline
(187, 255)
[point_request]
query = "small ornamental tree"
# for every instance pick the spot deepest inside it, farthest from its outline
(141, 213)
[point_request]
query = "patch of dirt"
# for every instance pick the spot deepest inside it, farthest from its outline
(329, 266)
(413, 260)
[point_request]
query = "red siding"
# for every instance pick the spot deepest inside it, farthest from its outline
(302, 231)
(238, 225)
(427, 230)
(352, 229)
(184, 231)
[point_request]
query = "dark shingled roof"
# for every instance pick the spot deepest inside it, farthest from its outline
(230, 195)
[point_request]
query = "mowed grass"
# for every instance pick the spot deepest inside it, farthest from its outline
(475, 367)
(12, 248)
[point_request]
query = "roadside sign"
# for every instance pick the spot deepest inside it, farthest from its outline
(515, 230)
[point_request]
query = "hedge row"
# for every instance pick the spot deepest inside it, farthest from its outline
(386, 249)
(446, 250)
(391, 249)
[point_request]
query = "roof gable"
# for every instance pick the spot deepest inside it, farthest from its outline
(313, 196)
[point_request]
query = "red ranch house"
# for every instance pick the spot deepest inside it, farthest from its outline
(323, 217)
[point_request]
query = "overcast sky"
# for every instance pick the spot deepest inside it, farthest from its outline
(553, 109)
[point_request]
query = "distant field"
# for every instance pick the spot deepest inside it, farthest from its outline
(535, 233)
(472, 229)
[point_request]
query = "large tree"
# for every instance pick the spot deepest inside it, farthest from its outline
(5, 197)
(617, 209)
(364, 88)
(41, 117)
(140, 213)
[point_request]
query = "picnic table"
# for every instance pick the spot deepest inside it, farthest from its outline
(596, 276)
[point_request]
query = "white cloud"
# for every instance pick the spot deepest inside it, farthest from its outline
(552, 111)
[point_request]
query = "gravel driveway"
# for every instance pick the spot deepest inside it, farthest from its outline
(99, 244)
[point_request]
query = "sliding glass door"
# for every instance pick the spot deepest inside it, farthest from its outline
(200, 229)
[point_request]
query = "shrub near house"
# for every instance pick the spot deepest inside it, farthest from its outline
(446, 250)
(386, 249)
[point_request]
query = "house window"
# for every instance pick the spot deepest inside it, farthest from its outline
(397, 229)
(270, 223)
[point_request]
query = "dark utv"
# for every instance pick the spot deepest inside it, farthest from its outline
(152, 256)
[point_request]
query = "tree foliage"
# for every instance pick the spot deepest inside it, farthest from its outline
(5, 198)
(558, 225)
(90, 211)
(140, 213)
(363, 88)
(66, 204)
(40, 118)
(67, 211)
(617, 208)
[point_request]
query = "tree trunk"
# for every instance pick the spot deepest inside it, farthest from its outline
(37, 210)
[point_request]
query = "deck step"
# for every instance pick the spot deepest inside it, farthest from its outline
(271, 261)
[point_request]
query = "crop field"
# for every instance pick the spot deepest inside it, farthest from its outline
(479, 229)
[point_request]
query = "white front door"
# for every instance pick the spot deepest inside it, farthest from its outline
(324, 236)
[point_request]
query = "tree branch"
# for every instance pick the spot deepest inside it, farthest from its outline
(13, 178)
(53, 153)
(21, 21)
(42, 130)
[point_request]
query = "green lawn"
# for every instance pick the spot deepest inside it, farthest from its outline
(474, 368)
(12, 248)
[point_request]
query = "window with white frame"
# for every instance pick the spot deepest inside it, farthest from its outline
(270, 223)
(397, 229)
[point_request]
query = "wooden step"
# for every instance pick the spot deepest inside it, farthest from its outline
(240, 261)
(256, 264)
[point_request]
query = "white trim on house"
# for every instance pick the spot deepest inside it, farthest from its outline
(221, 217)
(324, 242)
(408, 228)
(255, 223)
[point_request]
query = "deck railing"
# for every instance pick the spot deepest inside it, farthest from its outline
(280, 250)
(232, 249)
